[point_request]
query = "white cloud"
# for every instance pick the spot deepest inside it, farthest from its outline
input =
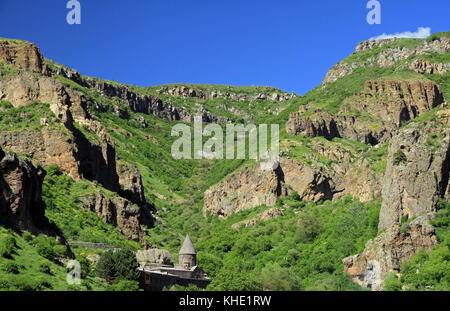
(421, 33)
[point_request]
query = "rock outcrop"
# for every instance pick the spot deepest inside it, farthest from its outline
(372, 116)
(387, 252)
(388, 56)
(189, 92)
(268, 214)
(21, 205)
(24, 55)
(417, 175)
(147, 104)
(131, 181)
(21, 187)
(119, 212)
(255, 186)
(247, 188)
(426, 67)
(311, 184)
(154, 256)
(67, 144)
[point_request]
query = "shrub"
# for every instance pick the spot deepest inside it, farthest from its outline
(234, 279)
(11, 267)
(275, 278)
(7, 246)
(20, 283)
(53, 170)
(180, 288)
(45, 268)
(60, 251)
(106, 266)
(308, 227)
(85, 266)
(5, 104)
(46, 250)
(41, 284)
(123, 285)
(392, 283)
(27, 236)
(399, 157)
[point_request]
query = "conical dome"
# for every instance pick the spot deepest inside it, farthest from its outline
(188, 247)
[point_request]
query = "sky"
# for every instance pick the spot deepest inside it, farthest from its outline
(289, 44)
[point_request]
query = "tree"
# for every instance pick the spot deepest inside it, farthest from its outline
(106, 267)
(233, 279)
(275, 278)
(118, 264)
(308, 227)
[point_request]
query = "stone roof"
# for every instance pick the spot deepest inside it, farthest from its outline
(188, 247)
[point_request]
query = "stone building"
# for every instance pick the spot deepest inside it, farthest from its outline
(158, 271)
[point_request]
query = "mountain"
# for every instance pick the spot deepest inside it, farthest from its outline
(361, 187)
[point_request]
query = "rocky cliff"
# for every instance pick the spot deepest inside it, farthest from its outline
(262, 184)
(385, 53)
(24, 55)
(131, 219)
(417, 175)
(189, 92)
(248, 188)
(61, 138)
(372, 116)
(21, 205)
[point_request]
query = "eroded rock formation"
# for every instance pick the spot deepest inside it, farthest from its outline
(23, 54)
(372, 116)
(65, 144)
(255, 186)
(21, 205)
(186, 92)
(387, 57)
(119, 212)
(417, 176)
(247, 188)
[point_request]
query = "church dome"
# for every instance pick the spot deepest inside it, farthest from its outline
(188, 247)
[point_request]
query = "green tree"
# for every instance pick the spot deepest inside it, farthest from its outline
(275, 278)
(118, 264)
(308, 227)
(233, 279)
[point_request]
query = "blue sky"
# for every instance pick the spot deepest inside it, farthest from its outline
(286, 44)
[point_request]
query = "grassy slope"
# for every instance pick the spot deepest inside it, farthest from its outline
(28, 261)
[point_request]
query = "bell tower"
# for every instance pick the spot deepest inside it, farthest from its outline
(187, 256)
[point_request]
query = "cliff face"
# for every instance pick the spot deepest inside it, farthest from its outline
(65, 144)
(388, 56)
(248, 188)
(187, 92)
(21, 205)
(138, 103)
(128, 217)
(417, 175)
(372, 116)
(388, 251)
(414, 182)
(263, 184)
(78, 157)
(24, 55)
